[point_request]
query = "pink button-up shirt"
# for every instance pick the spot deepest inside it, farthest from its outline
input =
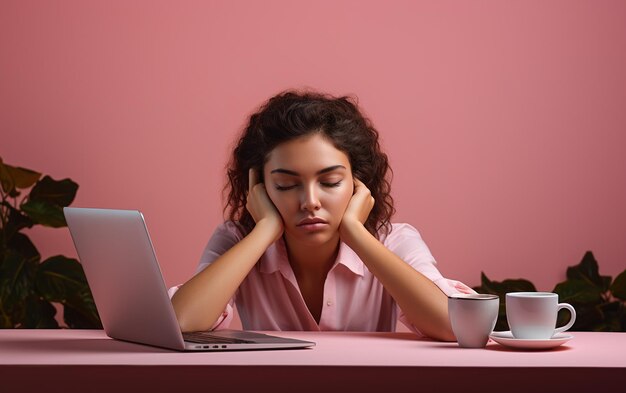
(269, 298)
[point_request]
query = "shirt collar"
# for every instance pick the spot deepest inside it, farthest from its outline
(349, 259)
(276, 258)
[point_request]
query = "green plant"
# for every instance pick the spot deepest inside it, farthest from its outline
(600, 304)
(29, 286)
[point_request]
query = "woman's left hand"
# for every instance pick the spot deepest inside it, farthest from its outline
(357, 212)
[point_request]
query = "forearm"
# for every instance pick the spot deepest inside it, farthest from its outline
(202, 299)
(424, 304)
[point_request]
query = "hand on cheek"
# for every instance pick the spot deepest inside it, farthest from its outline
(261, 207)
(358, 209)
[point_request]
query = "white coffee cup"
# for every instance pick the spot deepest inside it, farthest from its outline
(532, 315)
(473, 317)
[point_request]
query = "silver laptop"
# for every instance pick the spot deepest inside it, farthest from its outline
(128, 288)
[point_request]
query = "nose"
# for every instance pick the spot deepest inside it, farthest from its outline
(309, 199)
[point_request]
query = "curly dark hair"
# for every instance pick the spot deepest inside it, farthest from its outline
(292, 114)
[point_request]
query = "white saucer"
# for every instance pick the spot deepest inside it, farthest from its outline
(507, 339)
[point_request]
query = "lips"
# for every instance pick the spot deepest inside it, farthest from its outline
(311, 221)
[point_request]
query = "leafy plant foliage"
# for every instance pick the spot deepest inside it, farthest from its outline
(600, 302)
(29, 286)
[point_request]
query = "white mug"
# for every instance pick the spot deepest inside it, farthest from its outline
(532, 315)
(473, 317)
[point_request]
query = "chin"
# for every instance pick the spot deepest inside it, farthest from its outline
(313, 238)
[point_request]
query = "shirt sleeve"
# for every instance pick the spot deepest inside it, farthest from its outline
(223, 239)
(406, 242)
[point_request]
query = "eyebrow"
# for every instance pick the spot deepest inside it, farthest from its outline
(293, 173)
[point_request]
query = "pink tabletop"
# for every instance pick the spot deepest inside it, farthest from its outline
(92, 347)
(67, 361)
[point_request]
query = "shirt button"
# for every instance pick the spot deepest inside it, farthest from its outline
(329, 303)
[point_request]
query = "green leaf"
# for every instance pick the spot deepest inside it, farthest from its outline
(16, 279)
(16, 177)
(6, 322)
(618, 288)
(587, 270)
(22, 177)
(80, 311)
(39, 315)
(612, 324)
(578, 291)
(54, 192)
(59, 278)
(5, 179)
(22, 245)
(610, 317)
(488, 285)
(75, 319)
(46, 201)
(16, 222)
(484, 282)
(610, 307)
(518, 285)
(508, 285)
(42, 212)
(589, 318)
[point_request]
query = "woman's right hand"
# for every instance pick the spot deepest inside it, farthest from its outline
(260, 206)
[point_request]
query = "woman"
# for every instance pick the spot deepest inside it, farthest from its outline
(309, 244)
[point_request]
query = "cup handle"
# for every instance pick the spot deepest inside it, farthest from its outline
(571, 320)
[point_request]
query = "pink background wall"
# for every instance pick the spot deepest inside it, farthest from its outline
(505, 121)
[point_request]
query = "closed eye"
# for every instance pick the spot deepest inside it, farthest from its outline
(331, 184)
(285, 188)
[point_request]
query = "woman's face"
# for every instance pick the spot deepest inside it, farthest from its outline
(310, 183)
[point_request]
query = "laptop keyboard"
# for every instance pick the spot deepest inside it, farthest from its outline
(209, 338)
